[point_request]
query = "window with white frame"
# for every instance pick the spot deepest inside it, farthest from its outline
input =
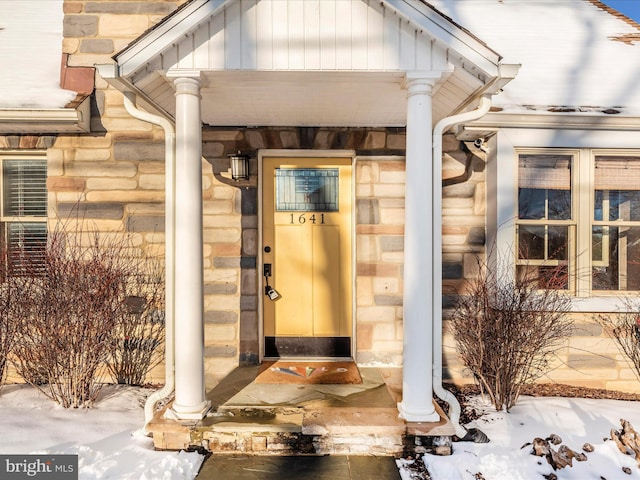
(578, 219)
(23, 213)
(616, 223)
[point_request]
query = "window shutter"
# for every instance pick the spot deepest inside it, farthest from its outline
(25, 188)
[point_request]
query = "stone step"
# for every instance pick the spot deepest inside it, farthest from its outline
(296, 431)
(274, 419)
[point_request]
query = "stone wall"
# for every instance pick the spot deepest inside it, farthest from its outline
(233, 236)
(590, 358)
(118, 178)
(380, 182)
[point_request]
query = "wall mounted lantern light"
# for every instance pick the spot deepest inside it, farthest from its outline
(239, 166)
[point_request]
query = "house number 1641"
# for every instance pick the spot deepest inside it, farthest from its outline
(302, 218)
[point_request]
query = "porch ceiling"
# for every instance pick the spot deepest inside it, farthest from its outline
(338, 99)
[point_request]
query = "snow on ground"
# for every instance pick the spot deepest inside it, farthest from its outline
(106, 438)
(577, 421)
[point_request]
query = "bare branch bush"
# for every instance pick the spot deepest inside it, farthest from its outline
(6, 334)
(7, 325)
(71, 307)
(624, 328)
(508, 329)
(140, 332)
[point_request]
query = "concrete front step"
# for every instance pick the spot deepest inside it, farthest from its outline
(271, 419)
(297, 431)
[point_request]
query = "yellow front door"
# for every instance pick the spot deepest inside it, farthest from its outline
(306, 226)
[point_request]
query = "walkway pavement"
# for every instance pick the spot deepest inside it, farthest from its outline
(329, 467)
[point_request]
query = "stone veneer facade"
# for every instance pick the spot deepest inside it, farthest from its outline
(116, 172)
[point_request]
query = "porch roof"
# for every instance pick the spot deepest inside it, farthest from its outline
(311, 63)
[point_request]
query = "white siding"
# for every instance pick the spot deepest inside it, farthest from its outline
(328, 38)
(215, 45)
(307, 35)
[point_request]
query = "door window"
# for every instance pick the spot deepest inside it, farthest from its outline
(307, 189)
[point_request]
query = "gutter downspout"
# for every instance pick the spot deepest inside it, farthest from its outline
(506, 73)
(438, 131)
(170, 166)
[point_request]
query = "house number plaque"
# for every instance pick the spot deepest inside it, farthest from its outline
(303, 218)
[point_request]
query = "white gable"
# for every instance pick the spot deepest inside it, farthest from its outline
(316, 35)
(294, 62)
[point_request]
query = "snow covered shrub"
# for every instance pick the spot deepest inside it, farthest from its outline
(138, 344)
(72, 307)
(624, 328)
(507, 329)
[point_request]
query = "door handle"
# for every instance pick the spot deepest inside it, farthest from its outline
(269, 291)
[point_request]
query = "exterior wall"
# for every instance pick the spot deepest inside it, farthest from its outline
(115, 175)
(593, 359)
(231, 240)
(590, 358)
(379, 256)
(385, 41)
(119, 179)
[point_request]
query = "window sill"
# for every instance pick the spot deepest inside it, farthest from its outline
(612, 303)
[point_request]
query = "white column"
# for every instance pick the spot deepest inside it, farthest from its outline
(190, 402)
(417, 382)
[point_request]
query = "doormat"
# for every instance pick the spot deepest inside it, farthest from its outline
(309, 373)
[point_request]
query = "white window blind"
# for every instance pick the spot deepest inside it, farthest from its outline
(24, 214)
(617, 173)
(24, 188)
(27, 243)
(547, 172)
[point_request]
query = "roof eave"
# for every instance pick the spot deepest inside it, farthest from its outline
(46, 120)
(457, 38)
(163, 35)
(565, 121)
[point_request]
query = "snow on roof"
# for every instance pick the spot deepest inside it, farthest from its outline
(30, 54)
(575, 54)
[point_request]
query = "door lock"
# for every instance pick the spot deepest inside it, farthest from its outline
(269, 291)
(272, 293)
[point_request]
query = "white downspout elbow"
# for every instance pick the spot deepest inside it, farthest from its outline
(170, 165)
(438, 131)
